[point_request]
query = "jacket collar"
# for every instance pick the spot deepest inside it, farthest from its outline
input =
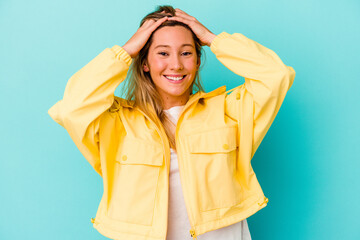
(200, 94)
(192, 98)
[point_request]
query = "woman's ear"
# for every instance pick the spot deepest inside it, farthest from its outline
(198, 63)
(146, 68)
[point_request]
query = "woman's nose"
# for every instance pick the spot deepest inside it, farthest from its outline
(175, 63)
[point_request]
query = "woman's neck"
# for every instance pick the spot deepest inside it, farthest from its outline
(179, 102)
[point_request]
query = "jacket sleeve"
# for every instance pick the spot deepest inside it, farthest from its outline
(267, 79)
(88, 94)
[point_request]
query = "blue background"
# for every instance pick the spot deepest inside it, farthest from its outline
(308, 163)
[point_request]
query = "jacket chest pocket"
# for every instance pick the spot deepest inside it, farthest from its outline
(136, 177)
(213, 165)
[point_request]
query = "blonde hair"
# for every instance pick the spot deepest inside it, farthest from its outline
(139, 86)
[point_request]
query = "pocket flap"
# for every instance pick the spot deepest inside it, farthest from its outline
(138, 151)
(219, 140)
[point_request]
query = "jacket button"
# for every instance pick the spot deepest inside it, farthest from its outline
(225, 146)
(237, 96)
(92, 220)
(124, 158)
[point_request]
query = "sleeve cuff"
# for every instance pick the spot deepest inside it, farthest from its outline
(122, 54)
(215, 41)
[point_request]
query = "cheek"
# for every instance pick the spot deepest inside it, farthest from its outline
(191, 65)
(157, 65)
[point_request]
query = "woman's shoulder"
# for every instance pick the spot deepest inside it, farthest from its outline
(120, 102)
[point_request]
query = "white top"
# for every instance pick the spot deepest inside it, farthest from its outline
(178, 221)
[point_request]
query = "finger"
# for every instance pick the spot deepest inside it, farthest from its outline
(163, 19)
(184, 15)
(159, 22)
(181, 19)
(179, 11)
(152, 21)
(148, 22)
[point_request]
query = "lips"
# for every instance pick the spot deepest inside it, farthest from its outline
(175, 78)
(174, 75)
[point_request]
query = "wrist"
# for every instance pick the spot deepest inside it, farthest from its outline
(211, 38)
(126, 50)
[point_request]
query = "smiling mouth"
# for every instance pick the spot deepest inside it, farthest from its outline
(175, 78)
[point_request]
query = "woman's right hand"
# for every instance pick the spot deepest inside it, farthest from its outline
(139, 39)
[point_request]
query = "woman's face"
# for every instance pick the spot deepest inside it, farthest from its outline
(172, 63)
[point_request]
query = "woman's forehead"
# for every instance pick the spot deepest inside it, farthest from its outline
(173, 36)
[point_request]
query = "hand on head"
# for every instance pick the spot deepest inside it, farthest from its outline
(204, 34)
(139, 39)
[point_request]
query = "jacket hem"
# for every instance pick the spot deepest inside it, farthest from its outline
(216, 224)
(110, 233)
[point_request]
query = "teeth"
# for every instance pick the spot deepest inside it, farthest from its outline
(174, 78)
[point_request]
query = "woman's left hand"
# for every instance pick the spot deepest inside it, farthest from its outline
(205, 35)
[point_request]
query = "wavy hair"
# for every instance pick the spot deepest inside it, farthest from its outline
(139, 86)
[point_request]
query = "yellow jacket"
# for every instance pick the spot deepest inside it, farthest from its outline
(217, 135)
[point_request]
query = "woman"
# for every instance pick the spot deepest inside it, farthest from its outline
(163, 128)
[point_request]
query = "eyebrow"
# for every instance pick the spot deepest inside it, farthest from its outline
(186, 44)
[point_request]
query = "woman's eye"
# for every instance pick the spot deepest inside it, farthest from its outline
(165, 54)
